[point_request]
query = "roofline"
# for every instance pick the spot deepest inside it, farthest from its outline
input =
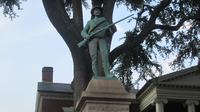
(155, 81)
(180, 86)
(54, 87)
(178, 73)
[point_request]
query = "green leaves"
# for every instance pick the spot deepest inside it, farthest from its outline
(9, 7)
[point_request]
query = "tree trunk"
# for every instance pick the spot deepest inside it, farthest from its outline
(66, 28)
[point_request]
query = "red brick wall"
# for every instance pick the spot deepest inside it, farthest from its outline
(55, 105)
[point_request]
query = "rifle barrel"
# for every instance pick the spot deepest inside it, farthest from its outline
(106, 27)
(83, 42)
(122, 19)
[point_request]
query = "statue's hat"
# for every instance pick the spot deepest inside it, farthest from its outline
(96, 7)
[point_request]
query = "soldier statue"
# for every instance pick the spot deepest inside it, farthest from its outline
(98, 43)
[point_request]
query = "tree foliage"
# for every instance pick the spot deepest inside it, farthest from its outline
(163, 28)
(9, 7)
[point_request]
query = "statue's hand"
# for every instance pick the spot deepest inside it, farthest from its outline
(86, 37)
(113, 29)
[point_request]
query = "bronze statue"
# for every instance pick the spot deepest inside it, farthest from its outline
(97, 43)
(95, 33)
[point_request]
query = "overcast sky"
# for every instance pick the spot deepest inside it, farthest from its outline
(27, 44)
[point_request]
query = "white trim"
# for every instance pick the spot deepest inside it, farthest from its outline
(148, 99)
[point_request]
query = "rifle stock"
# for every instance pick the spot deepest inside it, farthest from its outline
(82, 43)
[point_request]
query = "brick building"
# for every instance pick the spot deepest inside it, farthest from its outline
(52, 97)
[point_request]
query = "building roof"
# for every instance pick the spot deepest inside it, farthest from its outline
(189, 77)
(54, 87)
(51, 97)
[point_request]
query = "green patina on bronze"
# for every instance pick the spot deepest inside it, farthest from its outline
(98, 41)
(95, 33)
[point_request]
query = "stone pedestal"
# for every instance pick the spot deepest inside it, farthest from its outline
(104, 95)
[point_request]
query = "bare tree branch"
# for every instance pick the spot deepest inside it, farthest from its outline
(176, 27)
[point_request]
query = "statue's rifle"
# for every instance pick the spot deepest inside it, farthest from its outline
(84, 42)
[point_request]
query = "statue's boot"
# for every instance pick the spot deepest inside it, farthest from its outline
(106, 68)
(95, 70)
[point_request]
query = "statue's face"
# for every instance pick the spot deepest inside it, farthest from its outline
(97, 12)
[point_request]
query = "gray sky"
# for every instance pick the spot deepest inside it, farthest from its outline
(29, 43)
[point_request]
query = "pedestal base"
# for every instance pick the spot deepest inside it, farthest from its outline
(104, 95)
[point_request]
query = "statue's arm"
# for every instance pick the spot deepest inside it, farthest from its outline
(84, 32)
(113, 29)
